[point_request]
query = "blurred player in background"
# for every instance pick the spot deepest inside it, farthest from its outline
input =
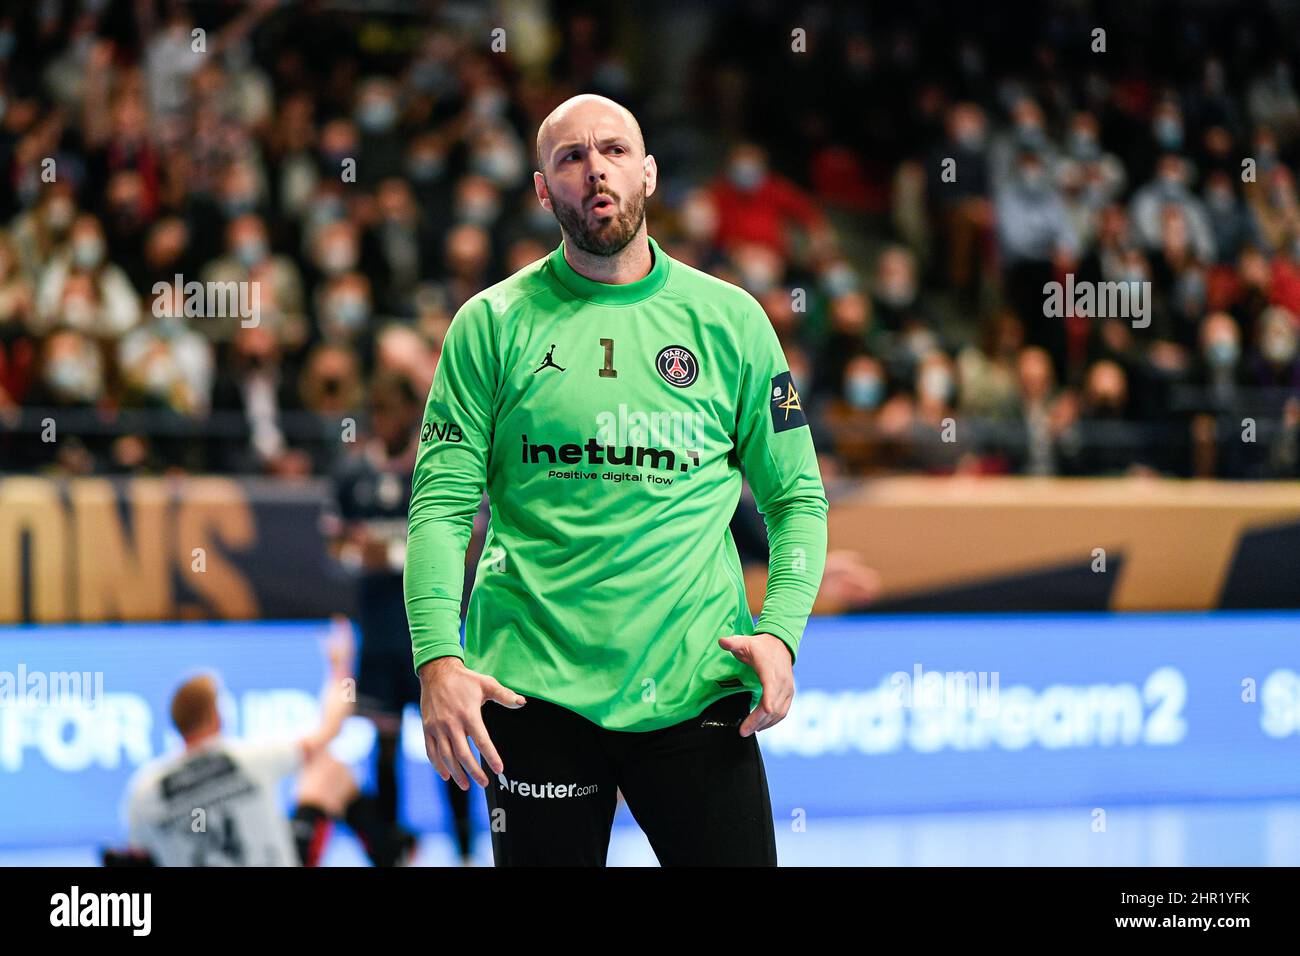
(373, 490)
(217, 803)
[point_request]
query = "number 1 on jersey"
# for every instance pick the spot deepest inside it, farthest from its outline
(608, 371)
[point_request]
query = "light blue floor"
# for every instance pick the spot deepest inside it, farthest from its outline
(1209, 834)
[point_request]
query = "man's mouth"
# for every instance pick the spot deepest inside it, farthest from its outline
(601, 203)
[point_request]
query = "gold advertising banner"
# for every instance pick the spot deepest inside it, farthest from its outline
(1123, 544)
(150, 549)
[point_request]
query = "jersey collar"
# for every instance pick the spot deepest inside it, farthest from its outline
(606, 293)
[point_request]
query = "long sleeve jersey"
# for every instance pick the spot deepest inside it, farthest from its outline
(612, 425)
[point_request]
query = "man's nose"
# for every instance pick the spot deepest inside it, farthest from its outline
(595, 166)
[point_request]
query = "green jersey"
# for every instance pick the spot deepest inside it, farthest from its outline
(613, 426)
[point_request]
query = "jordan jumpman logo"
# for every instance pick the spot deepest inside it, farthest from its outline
(547, 362)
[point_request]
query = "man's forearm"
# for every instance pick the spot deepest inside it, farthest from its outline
(796, 532)
(434, 581)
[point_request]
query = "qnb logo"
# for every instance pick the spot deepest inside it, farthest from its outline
(441, 431)
(545, 791)
(131, 910)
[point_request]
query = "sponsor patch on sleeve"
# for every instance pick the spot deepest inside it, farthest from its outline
(787, 409)
(440, 432)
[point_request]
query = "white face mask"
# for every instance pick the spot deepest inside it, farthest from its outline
(1279, 348)
(79, 312)
(338, 257)
(936, 384)
(73, 378)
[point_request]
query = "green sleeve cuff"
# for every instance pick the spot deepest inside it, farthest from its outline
(448, 649)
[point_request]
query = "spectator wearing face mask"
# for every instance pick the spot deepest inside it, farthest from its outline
(344, 314)
(934, 420)
(467, 261)
(851, 329)
(164, 363)
(987, 370)
(1231, 220)
(71, 382)
(427, 167)
(331, 389)
(279, 295)
(241, 191)
(695, 239)
(1273, 202)
(962, 205)
(1219, 401)
(101, 301)
(756, 205)
(1170, 188)
(397, 249)
(1027, 134)
(1274, 362)
(377, 115)
(42, 231)
(476, 202)
(849, 415)
(896, 298)
(1034, 235)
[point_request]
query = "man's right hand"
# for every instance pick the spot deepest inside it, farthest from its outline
(451, 707)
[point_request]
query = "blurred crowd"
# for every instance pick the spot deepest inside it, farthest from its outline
(896, 195)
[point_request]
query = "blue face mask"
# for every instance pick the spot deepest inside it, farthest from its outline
(87, 253)
(1031, 135)
(425, 169)
(864, 391)
(238, 205)
(840, 282)
(377, 116)
(250, 252)
(1085, 146)
(349, 312)
(431, 76)
(1222, 352)
(1169, 133)
(67, 377)
(746, 174)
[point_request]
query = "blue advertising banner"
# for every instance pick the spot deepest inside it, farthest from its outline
(894, 713)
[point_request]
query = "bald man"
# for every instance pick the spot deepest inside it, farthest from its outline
(612, 401)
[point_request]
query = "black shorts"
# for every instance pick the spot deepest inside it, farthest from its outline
(697, 788)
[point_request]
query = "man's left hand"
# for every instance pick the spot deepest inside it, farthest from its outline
(771, 661)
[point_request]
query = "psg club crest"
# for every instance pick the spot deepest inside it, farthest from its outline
(678, 365)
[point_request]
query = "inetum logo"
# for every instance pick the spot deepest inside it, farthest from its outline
(547, 790)
(103, 909)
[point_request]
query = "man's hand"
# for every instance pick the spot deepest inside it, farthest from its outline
(451, 705)
(771, 661)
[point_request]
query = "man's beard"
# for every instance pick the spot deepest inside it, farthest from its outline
(611, 236)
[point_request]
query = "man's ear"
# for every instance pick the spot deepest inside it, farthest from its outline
(651, 175)
(543, 194)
